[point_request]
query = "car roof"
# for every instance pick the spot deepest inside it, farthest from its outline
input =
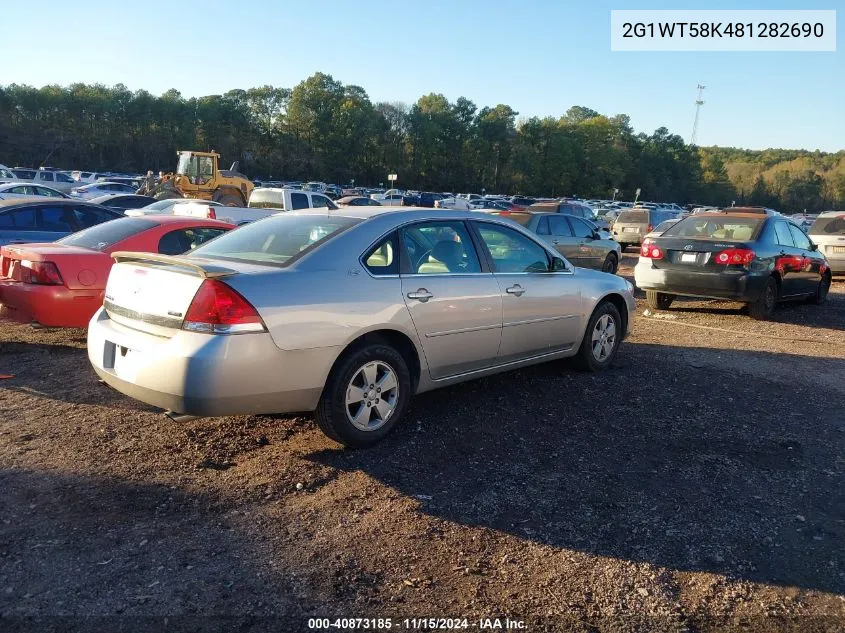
(183, 219)
(31, 200)
(731, 214)
(831, 214)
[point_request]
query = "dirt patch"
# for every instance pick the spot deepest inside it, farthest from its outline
(699, 481)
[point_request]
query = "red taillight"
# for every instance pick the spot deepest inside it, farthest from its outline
(651, 250)
(212, 214)
(43, 273)
(649, 228)
(218, 309)
(735, 257)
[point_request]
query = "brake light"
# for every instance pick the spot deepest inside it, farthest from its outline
(212, 214)
(735, 257)
(42, 273)
(649, 228)
(219, 309)
(651, 250)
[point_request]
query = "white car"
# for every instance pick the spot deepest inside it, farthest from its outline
(7, 175)
(55, 179)
(96, 189)
(164, 207)
(87, 177)
(26, 190)
(457, 204)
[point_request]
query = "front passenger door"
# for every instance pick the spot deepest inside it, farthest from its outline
(540, 307)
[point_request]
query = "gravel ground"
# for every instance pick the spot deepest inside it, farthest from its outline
(697, 485)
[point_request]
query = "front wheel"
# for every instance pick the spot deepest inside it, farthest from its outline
(601, 338)
(365, 396)
(229, 200)
(611, 264)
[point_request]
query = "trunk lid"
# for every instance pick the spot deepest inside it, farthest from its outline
(79, 267)
(152, 293)
(690, 254)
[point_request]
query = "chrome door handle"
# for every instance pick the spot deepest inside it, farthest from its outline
(421, 295)
(515, 290)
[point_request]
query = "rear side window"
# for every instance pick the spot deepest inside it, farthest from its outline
(440, 248)
(46, 176)
(21, 219)
(299, 201)
(383, 259)
(57, 219)
(782, 234)
(60, 177)
(104, 235)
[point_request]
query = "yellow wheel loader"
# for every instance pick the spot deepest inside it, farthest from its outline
(197, 176)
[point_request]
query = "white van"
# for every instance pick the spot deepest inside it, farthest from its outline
(287, 199)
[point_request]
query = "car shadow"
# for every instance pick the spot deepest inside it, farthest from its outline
(711, 460)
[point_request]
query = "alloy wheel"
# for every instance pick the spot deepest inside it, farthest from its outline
(372, 396)
(604, 338)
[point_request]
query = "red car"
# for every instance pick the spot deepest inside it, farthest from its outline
(61, 284)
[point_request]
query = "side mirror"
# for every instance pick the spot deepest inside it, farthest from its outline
(558, 264)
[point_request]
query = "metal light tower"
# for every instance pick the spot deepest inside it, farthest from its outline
(698, 103)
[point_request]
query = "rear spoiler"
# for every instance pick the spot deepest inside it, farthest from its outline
(145, 259)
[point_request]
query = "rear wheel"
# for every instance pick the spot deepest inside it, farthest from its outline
(763, 308)
(611, 263)
(820, 295)
(658, 300)
(601, 338)
(365, 396)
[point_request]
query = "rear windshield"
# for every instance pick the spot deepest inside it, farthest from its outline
(829, 226)
(633, 217)
(275, 240)
(103, 235)
(259, 199)
(521, 218)
(716, 228)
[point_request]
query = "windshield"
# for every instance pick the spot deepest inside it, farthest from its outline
(275, 240)
(101, 236)
(186, 166)
(829, 226)
(163, 205)
(716, 228)
(664, 225)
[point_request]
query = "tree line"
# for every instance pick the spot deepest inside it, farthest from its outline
(324, 130)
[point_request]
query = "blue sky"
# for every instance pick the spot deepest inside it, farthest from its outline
(539, 57)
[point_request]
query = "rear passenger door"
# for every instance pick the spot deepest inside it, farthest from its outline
(788, 260)
(810, 273)
(590, 256)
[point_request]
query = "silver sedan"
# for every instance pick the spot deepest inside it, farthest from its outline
(348, 313)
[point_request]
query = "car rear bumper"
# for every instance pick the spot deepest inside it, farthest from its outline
(208, 375)
(836, 263)
(737, 285)
(628, 239)
(50, 306)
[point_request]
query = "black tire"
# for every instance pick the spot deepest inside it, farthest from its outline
(822, 290)
(332, 414)
(658, 300)
(168, 194)
(611, 264)
(229, 199)
(762, 309)
(585, 359)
